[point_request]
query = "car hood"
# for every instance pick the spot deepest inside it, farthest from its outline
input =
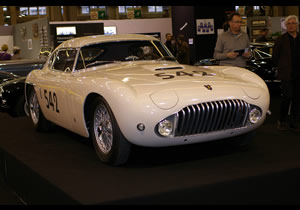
(169, 81)
(151, 76)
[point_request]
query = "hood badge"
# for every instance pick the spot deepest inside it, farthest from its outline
(208, 87)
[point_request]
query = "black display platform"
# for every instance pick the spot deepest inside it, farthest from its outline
(62, 168)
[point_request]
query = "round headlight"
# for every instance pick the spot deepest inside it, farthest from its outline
(165, 128)
(254, 115)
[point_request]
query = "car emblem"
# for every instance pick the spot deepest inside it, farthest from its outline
(208, 87)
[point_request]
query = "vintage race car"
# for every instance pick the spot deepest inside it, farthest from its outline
(128, 89)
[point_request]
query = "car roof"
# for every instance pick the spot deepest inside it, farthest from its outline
(87, 40)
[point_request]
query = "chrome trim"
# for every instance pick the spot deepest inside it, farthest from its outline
(212, 116)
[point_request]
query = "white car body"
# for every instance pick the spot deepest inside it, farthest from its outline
(144, 92)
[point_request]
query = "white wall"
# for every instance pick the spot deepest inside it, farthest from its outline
(22, 41)
(6, 37)
(129, 26)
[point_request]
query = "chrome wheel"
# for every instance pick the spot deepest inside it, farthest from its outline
(103, 129)
(109, 143)
(34, 108)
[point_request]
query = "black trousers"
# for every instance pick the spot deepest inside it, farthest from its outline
(290, 96)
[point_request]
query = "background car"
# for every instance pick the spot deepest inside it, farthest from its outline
(260, 63)
(5, 76)
(12, 97)
(121, 90)
(12, 78)
(207, 62)
(21, 67)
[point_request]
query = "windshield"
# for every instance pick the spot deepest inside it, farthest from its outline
(103, 53)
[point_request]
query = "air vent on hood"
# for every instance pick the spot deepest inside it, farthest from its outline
(169, 68)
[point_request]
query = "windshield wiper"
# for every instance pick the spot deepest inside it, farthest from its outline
(100, 63)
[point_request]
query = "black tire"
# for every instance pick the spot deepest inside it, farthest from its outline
(18, 109)
(39, 121)
(111, 146)
(243, 140)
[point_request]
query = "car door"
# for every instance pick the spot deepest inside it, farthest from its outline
(54, 95)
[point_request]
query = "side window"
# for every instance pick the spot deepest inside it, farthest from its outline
(64, 60)
(94, 53)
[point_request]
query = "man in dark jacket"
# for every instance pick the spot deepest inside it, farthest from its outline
(183, 50)
(171, 44)
(286, 55)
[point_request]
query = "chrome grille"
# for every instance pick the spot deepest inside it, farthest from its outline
(212, 116)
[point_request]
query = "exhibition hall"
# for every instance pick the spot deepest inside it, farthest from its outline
(149, 105)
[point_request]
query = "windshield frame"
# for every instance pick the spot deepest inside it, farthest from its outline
(156, 44)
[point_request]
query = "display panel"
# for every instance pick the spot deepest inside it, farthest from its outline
(109, 30)
(65, 30)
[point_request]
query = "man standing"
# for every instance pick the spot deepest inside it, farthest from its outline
(232, 46)
(183, 50)
(286, 55)
(171, 44)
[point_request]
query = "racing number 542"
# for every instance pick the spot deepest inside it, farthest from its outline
(51, 99)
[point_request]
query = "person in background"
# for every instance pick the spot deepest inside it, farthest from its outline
(263, 35)
(183, 50)
(4, 55)
(286, 55)
(17, 52)
(171, 43)
(232, 46)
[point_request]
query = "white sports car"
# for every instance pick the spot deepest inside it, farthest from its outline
(129, 89)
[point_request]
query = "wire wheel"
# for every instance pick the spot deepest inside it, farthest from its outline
(103, 129)
(109, 143)
(34, 107)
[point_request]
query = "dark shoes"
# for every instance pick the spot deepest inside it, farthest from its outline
(284, 126)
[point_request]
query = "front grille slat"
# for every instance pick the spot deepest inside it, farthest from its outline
(228, 115)
(192, 120)
(219, 115)
(202, 116)
(216, 115)
(210, 119)
(231, 121)
(207, 112)
(197, 118)
(212, 116)
(238, 113)
(223, 116)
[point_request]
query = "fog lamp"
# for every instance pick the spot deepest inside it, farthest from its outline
(254, 115)
(140, 127)
(165, 127)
